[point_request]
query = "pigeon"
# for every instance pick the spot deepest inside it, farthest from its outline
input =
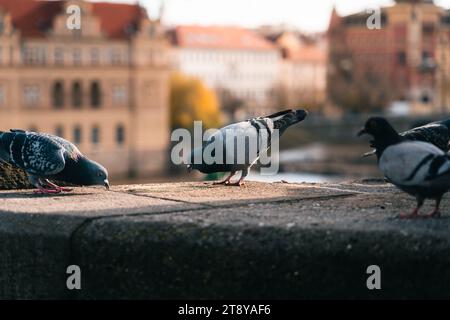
(46, 157)
(418, 168)
(260, 129)
(437, 133)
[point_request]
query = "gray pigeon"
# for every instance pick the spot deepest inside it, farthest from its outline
(436, 133)
(419, 168)
(256, 129)
(46, 157)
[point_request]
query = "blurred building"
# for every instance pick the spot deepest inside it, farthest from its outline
(400, 63)
(241, 65)
(103, 86)
(302, 69)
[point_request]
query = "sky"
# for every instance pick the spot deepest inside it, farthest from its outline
(306, 15)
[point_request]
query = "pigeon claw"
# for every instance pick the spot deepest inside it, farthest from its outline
(433, 214)
(237, 184)
(47, 191)
(412, 215)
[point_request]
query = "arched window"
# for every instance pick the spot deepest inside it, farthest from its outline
(77, 94)
(120, 134)
(96, 94)
(58, 94)
(95, 135)
(77, 134)
(59, 131)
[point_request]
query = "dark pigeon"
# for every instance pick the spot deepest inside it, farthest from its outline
(46, 157)
(436, 133)
(419, 168)
(260, 128)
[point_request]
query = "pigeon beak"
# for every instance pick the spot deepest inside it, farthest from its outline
(370, 153)
(362, 131)
(107, 184)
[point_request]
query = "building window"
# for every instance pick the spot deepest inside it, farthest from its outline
(114, 56)
(119, 94)
(77, 57)
(33, 55)
(77, 95)
(96, 95)
(95, 56)
(58, 94)
(59, 131)
(120, 135)
(401, 58)
(425, 98)
(59, 56)
(77, 135)
(31, 95)
(2, 96)
(95, 135)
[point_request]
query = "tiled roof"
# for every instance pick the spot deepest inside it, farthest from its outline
(308, 53)
(220, 38)
(34, 18)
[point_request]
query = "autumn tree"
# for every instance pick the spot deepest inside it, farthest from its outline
(191, 100)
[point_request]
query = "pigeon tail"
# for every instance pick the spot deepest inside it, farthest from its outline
(281, 113)
(288, 118)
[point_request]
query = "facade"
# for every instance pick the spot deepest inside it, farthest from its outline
(103, 86)
(303, 69)
(241, 65)
(370, 69)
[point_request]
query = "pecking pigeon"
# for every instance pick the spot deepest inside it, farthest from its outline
(45, 157)
(259, 130)
(419, 168)
(437, 133)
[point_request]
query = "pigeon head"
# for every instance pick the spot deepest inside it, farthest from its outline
(378, 127)
(284, 119)
(90, 173)
(382, 132)
(99, 175)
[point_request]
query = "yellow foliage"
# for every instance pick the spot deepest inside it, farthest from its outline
(191, 100)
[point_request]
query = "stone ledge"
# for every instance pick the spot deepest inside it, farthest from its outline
(194, 240)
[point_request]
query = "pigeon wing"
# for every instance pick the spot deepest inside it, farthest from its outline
(436, 134)
(252, 131)
(41, 156)
(68, 146)
(411, 163)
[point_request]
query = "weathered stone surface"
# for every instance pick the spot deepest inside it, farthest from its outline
(194, 240)
(12, 178)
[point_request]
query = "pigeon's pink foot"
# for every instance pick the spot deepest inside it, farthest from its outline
(56, 187)
(237, 184)
(434, 214)
(47, 191)
(226, 181)
(64, 189)
(413, 215)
